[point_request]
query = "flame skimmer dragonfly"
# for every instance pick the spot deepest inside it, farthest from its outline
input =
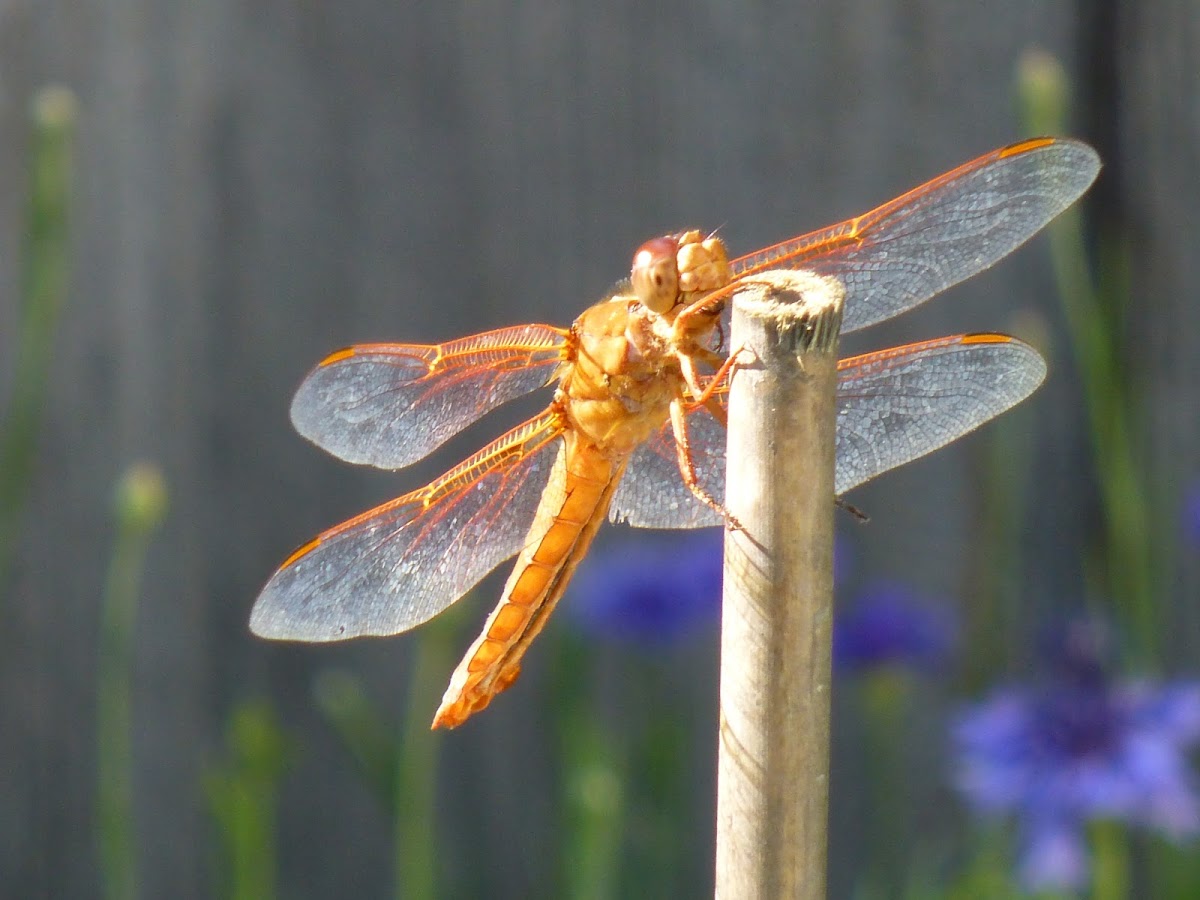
(634, 431)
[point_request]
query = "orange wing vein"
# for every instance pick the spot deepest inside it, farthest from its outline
(400, 564)
(894, 406)
(915, 246)
(389, 405)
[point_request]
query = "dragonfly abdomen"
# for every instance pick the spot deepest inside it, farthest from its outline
(573, 505)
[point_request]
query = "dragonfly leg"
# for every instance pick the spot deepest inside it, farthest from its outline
(859, 516)
(705, 394)
(716, 410)
(687, 465)
(709, 304)
(743, 357)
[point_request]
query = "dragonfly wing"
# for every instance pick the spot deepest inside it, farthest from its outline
(389, 405)
(894, 406)
(936, 235)
(652, 493)
(402, 563)
(897, 405)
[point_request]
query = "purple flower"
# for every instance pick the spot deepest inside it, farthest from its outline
(650, 591)
(1191, 516)
(654, 590)
(890, 625)
(1077, 748)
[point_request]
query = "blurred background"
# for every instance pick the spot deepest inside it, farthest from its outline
(213, 195)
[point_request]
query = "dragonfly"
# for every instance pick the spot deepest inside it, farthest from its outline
(635, 430)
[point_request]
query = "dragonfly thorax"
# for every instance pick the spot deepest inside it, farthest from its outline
(621, 374)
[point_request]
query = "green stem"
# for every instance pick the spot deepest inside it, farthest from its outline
(44, 271)
(885, 702)
(251, 838)
(1126, 554)
(141, 502)
(399, 766)
(114, 763)
(416, 759)
(1107, 401)
(994, 620)
(593, 794)
(1110, 868)
(341, 699)
(243, 795)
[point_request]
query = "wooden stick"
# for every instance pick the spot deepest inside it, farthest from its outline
(773, 767)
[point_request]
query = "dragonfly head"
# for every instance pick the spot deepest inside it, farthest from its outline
(655, 274)
(667, 267)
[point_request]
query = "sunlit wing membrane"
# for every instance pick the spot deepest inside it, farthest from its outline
(897, 405)
(402, 563)
(960, 223)
(894, 406)
(389, 405)
(652, 493)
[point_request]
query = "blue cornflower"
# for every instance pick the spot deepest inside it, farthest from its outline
(650, 591)
(890, 625)
(654, 591)
(1191, 516)
(1078, 748)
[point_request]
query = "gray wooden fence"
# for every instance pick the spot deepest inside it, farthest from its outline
(260, 183)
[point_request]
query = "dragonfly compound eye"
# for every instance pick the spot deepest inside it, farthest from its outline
(655, 275)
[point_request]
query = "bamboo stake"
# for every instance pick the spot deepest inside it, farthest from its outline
(773, 766)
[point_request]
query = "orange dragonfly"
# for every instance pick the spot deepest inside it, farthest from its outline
(635, 430)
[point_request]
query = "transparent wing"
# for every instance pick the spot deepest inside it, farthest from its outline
(389, 405)
(402, 563)
(652, 493)
(894, 406)
(897, 405)
(948, 229)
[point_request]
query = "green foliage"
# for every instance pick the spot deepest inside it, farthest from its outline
(1095, 307)
(45, 267)
(593, 797)
(243, 791)
(139, 506)
(400, 770)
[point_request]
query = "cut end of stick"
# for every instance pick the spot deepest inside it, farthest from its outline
(806, 307)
